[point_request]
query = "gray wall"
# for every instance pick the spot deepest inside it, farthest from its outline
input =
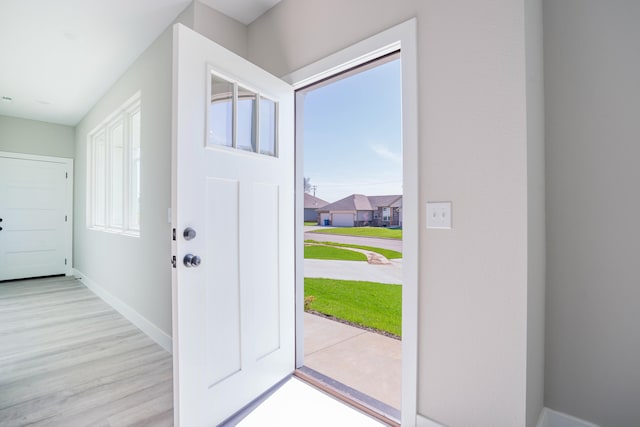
(536, 210)
(477, 365)
(134, 270)
(34, 137)
(214, 25)
(137, 270)
(220, 28)
(592, 79)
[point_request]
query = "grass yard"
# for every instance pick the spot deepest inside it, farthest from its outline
(388, 233)
(329, 252)
(387, 253)
(311, 223)
(372, 305)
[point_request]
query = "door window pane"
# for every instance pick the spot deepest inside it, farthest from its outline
(246, 120)
(267, 127)
(241, 118)
(220, 123)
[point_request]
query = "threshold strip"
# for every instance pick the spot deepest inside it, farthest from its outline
(364, 403)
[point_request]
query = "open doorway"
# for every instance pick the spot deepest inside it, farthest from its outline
(256, 325)
(351, 125)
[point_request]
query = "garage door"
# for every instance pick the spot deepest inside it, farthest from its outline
(35, 216)
(342, 220)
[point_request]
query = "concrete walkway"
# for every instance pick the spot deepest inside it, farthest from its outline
(368, 362)
(355, 270)
(372, 257)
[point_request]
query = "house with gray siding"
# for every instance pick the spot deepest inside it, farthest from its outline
(311, 204)
(358, 210)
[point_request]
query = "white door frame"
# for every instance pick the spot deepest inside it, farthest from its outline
(68, 202)
(402, 37)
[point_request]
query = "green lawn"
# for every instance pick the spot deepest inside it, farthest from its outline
(311, 223)
(389, 233)
(388, 253)
(369, 304)
(329, 252)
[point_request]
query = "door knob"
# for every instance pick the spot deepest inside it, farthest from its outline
(191, 260)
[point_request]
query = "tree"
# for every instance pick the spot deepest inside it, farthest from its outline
(307, 185)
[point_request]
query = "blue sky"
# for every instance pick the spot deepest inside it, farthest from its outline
(352, 135)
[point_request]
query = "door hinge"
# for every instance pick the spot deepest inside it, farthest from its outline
(173, 261)
(174, 234)
(65, 261)
(65, 218)
(66, 175)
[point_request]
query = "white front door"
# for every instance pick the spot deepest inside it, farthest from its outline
(35, 216)
(233, 212)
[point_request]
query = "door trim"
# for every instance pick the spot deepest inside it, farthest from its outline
(401, 37)
(69, 197)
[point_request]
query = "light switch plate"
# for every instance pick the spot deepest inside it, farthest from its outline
(439, 215)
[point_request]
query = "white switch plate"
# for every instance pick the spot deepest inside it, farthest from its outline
(439, 215)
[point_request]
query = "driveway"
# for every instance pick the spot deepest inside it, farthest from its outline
(393, 244)
(354, 270)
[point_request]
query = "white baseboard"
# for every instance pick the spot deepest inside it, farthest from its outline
(551, 418)
(548, 418)
(422, 421)
(151, 330)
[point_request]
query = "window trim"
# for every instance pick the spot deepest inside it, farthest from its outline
(123, 115)
(388, 215)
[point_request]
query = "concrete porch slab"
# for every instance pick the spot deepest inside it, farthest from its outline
(368, 362)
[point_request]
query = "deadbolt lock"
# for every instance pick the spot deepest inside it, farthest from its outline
(189, 233)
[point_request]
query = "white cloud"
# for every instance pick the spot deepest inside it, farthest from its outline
(384, 153)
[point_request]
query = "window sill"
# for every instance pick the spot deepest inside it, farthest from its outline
(128, 233)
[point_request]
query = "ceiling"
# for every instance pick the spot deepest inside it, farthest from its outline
(58, 58)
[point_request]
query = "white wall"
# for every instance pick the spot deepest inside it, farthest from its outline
(35, 137)
(477, 365)
(592, 69)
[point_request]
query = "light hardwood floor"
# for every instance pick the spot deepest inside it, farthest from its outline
(68, 359)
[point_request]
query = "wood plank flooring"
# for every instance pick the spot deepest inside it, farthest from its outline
(68, 359)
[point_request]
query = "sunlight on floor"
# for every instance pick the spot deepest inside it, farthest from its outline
(297, 403)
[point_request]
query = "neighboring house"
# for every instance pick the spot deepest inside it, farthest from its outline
(397, 210)
(386, 210)
(358, 210)
(311, 204)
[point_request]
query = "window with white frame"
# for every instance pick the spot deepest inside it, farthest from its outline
(386, 214)
(113, 171)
